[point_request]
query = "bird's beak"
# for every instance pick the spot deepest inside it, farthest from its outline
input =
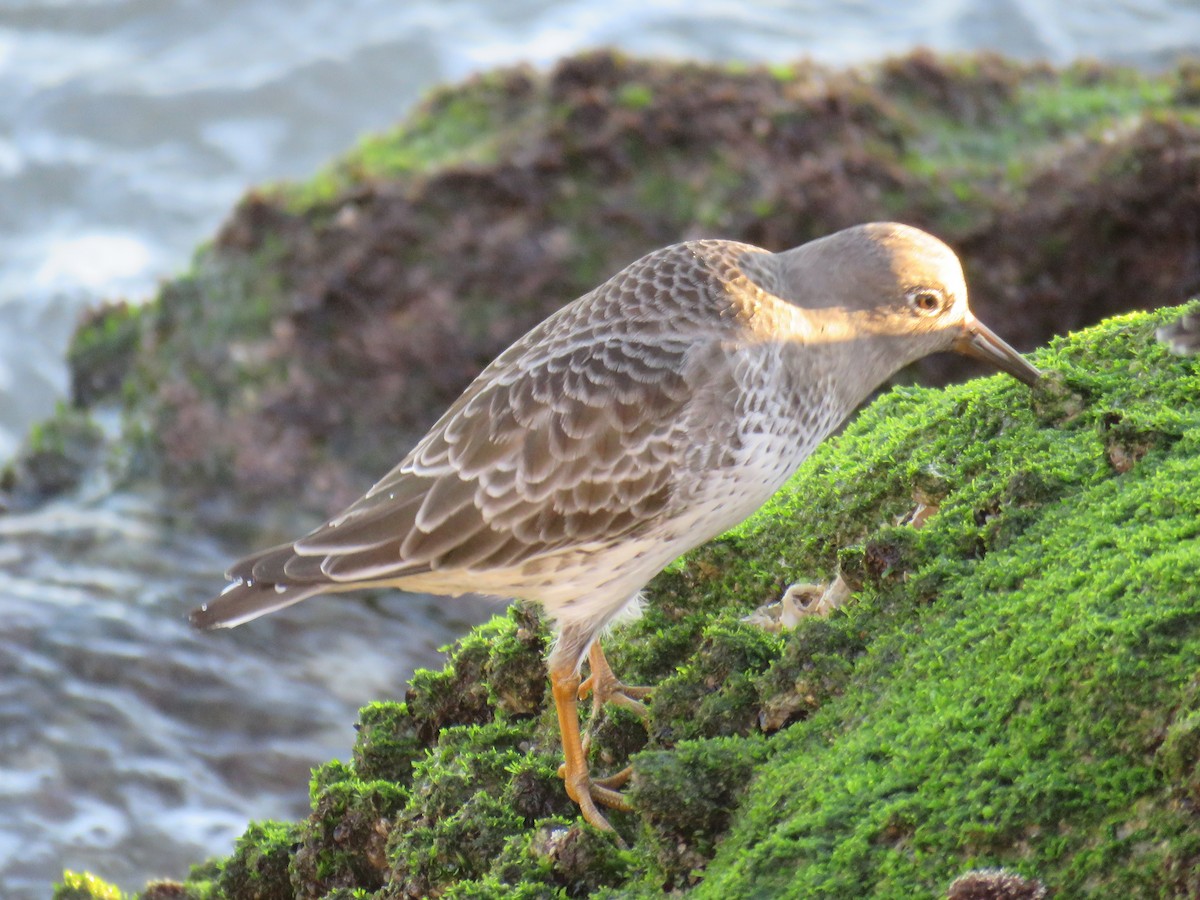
(980, 342)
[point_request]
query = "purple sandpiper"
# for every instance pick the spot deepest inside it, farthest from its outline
(636, 423)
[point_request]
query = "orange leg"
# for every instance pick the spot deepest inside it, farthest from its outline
(604, 687)
(578, 780)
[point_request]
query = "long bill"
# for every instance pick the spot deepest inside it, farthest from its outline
(980, 342)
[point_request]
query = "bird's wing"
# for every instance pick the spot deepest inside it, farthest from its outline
(574, 436)
(578, 447)
(575, 448)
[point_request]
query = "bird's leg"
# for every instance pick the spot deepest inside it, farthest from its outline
(605, 687)
(564, 684)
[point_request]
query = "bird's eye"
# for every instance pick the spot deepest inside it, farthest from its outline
(925, 301)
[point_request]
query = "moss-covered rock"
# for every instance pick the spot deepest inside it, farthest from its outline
(344, 843)
(714, 693)
(1015, 716)
(387, 742)
(102, 351)
(85, 886)
(53, 459)
(686, 797)
(258, 868)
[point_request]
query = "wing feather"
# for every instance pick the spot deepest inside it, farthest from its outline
(369, 524)
(445, 498)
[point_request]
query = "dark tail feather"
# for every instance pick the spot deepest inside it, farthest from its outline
(244, 601)
(259, 587)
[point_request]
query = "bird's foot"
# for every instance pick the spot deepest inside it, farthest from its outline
(614, 782)
(591, 795)
(605, 687)
(608, 786)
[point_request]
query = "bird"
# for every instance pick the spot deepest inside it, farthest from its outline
(634, 424)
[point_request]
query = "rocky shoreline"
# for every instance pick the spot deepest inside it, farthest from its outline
(1011, 684)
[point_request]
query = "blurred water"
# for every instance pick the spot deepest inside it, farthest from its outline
(128, 128)
(133, 746)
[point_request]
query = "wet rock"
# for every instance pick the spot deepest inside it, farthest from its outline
(54, 459)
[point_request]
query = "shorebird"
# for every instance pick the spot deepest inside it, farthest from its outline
(634, 424)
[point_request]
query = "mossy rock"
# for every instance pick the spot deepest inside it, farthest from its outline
(54, 459)
(1012, 685)
(85, 886)
(259, 866)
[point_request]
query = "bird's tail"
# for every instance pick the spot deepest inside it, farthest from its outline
(242, 601)
(249, 597)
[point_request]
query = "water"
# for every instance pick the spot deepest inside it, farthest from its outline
(128, 744)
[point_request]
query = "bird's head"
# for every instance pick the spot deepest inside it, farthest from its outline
(896, 288)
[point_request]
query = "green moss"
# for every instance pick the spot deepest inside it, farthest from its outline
(453, 127)
(258, 868)
(1002, 137)
(201, 883)
(515, 671)
(781, 71)
(685, 798)
(494, 889)
(511, 646)
(85, 886)
(387, 742)
(635, 95)
(342, 845)
(554, 859)
(468, 760)
(223, 308)
(58, 435)
(102, 350)
(335, 772)
(1087, 96)
(818, 659)
(208, 337)
(715, 693)
(461, 846)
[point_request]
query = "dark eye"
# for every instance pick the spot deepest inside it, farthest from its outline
(925, 301)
